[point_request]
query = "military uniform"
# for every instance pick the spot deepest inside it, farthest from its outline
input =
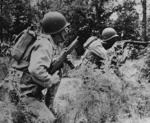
(96, 53)
(29, 77)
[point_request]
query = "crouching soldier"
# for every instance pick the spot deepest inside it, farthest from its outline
(30, 75)
(98, 50)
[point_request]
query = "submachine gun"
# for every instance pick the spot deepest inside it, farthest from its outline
(56, 65)
(135, 43)
(60, 60)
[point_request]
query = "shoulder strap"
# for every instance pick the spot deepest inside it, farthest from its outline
(89, 41)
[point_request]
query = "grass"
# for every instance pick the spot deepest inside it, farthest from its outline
(98, 96)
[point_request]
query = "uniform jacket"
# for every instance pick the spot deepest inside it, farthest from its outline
(96, 52)
(38, 59)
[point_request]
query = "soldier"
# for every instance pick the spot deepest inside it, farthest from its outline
(30, 76)
(98, 50)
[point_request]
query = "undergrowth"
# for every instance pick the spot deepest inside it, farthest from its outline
(110, 95)
(106, 97)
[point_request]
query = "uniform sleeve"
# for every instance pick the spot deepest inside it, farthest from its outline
(40, 60)
(98, 49)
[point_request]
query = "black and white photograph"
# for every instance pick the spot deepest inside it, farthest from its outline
(74, 61)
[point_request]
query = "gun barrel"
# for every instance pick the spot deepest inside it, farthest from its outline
(136, 42)
(72, 46)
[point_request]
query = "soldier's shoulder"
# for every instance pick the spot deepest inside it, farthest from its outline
(97, 42)
(90, 40)
(42, 41)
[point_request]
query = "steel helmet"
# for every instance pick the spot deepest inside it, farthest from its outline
(108, 33)
(53, 22)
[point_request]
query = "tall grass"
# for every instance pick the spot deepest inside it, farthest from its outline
(90, 95)
(105, 96)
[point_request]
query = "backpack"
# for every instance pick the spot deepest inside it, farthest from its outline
(89, 41)
(22, 42)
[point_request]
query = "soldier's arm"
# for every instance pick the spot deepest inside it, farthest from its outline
(98, 49)
(40, 60)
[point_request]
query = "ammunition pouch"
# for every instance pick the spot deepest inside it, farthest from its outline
(24, 85)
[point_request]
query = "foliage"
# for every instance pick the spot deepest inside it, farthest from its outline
(98, 97)
(3, 71)
(86, 18)
(16, 15)
(88, 21)
(127, 23)
(105, 99)
(105, 96)
(145, 69)
(6, 109)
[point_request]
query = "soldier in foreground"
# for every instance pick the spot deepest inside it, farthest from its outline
(30, 75)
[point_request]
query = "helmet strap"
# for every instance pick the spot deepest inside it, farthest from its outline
(62, 37)
(58, 38)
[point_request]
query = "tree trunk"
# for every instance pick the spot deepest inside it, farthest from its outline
(97, 9)
(144, 38)
(1, 30)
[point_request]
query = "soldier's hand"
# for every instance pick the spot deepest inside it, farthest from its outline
(77, 63)
(55, 78)
(69, 58)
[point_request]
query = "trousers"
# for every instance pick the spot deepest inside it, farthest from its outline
(28, 108)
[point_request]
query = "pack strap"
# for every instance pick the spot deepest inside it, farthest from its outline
(20, 34)
(17, 75)
(21, 65)
(89, 41)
